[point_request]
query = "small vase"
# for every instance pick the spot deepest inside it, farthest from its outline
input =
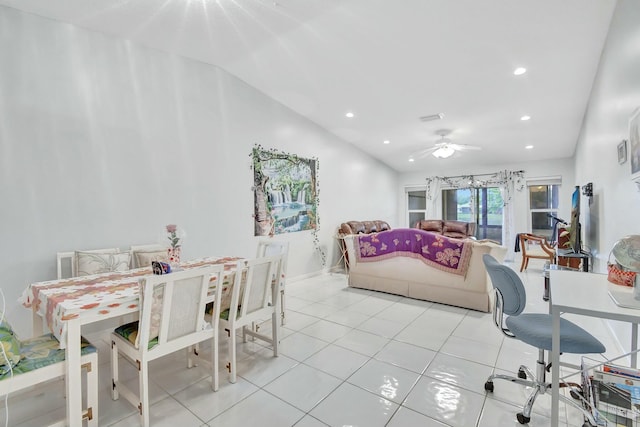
(174, 257)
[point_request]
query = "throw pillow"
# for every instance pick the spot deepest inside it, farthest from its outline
(97, 262)
(434, 226)
(456, 227)
(145, 258)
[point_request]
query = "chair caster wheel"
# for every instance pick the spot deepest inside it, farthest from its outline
(488, 386)
(522, 374)
(522, 419)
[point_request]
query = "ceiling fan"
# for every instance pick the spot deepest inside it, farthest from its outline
(443, 148)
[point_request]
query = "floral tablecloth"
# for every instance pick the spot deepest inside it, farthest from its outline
(61, 300)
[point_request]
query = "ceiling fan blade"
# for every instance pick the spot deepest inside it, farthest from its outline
(423, 153)
(461, 147)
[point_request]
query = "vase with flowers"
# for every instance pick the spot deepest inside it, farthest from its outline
(174, 235)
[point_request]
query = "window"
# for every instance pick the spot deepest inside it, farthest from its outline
(480, 205)
(416, 206)
(543, 200)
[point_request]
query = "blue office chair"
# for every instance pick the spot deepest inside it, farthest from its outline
(533, 329)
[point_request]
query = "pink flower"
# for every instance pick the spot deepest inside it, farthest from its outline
(174, 239)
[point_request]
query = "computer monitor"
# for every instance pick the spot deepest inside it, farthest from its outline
(574, 233)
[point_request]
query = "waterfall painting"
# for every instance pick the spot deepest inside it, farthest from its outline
(285, 192)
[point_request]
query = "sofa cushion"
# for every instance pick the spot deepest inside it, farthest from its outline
(433, 225)
(370, 227)
(383, 226)
(455, 227)
(363, 227)
(356, 227)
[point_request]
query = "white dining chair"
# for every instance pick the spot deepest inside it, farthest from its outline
(251, 295)
(172, 310)
(276, 247)
(38, 360)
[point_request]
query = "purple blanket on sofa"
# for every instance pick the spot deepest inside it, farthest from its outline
(436, 250)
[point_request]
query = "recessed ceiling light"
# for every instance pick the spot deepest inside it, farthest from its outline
(519, 71)
(386, 141)
(411, 159)
(529, 147)
(525, 118)
(350, 115)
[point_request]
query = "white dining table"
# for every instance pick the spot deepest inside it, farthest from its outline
(68, 304)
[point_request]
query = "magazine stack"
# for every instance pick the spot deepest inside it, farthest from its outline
(612, 394)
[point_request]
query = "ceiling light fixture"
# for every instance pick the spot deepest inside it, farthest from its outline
(386, 141)
(444, 152)
(432, 117)
(525, 118)
(350, 115)
(519, 71)
(529, 147)
(411, 159)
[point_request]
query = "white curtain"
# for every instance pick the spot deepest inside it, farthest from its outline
(508, 227)
(434, 186)
(472, 202)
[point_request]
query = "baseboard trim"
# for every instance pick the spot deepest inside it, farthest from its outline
(330, 270)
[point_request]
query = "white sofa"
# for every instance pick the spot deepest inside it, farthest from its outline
(413, 278)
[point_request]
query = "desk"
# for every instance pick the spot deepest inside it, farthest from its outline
(545, 272)
(67, 304)
(584, 256)
(586, 294)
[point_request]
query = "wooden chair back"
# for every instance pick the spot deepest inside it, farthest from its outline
(537, 247)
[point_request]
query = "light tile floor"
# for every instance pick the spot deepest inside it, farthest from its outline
(348, 357)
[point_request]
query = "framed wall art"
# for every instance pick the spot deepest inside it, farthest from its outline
(622, 151)
(285, 192)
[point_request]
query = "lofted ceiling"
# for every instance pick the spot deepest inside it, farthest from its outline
(390, 63)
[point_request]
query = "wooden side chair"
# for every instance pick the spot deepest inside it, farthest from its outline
(37, 360)
(172, 310)
(533, 246)
(251, 296)
(275, 247)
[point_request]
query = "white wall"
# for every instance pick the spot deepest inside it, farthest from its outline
(103, 142)
(615, 95)
(550, 168)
